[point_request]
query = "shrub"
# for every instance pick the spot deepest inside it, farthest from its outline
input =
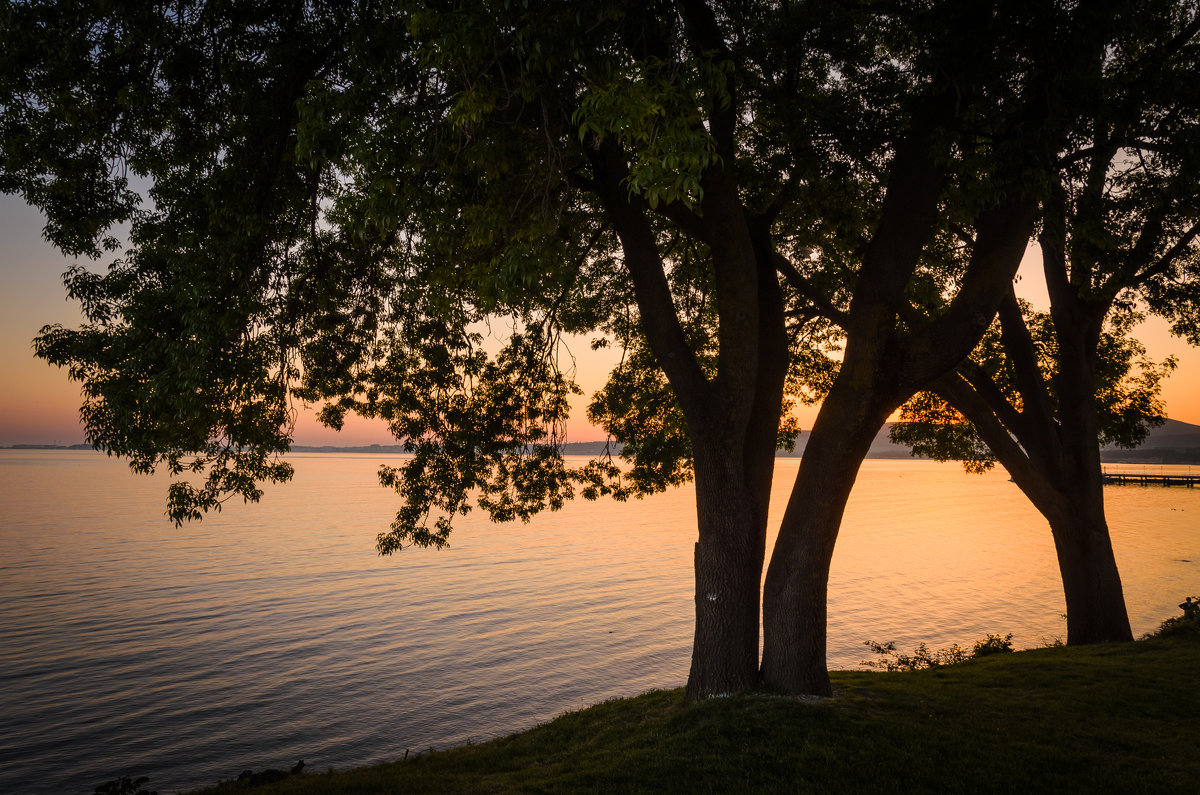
(922, 658)
(125, 786)
(1186, 624)
(993, 644)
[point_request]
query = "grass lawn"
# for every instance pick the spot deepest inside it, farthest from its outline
(1103, 719)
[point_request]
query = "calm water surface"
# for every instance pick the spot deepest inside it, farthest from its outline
(272, 632)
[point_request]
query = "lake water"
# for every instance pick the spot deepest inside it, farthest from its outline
(272, 632)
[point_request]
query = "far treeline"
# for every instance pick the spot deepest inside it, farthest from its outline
(758, 202)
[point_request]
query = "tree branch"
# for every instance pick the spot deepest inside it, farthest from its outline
(688, 221)
(909, 212)
(1002, 234)
(1167, 259)
(659, 320)
(705, 37)
(1029, 476)
(1148, 239)
(959, 392)
(1053, 241)
(814, 296)
(995, 401)
(736, 271)
(1036, 426)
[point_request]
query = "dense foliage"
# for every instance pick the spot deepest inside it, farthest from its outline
(335, 203)
(1118, 238)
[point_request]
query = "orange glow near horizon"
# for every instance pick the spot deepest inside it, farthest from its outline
(38, 405)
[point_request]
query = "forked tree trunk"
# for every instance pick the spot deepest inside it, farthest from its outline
(797, 586)
(1057, 466)
(734, 467)
(733, 418)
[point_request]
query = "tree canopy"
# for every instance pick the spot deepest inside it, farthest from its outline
(338, 196)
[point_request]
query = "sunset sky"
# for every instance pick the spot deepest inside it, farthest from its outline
(38, 405)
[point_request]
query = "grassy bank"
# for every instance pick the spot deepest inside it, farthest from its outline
(1115, 718)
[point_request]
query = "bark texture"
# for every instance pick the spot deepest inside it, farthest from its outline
(728, 565)
(795, 595)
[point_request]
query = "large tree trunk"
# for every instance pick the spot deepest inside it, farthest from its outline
(733, 469)
(729, 559)
(797, 585)
(732, 418)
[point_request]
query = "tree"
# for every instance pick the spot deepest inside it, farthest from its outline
(901, 330)
(983, 413)
(1119, 231)
(342, 195)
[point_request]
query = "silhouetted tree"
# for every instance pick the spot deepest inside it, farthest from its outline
(984, 412)
(1118, 233)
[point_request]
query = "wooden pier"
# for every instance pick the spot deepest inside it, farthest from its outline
(1151, 479)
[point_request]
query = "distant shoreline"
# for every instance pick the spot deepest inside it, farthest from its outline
(1139, 456)
(45, 447)
(1174, 442)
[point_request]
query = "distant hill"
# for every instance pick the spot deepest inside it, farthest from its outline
(47, 447)
(365, 448)
(881, 446)
(1174, 442)
(572, 448)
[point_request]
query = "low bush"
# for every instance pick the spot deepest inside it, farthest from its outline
(125, 786)
(922, 658)
(1186, 624)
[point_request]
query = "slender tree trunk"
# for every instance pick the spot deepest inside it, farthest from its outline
(797, 585)
(1091, 583)
(1060, 474)
(1096, 611)
(729, 561)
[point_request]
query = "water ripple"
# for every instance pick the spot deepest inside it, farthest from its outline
(272, 632)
